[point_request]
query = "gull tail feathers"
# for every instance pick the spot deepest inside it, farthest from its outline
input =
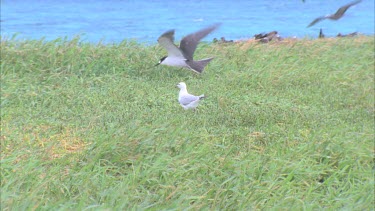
(198, 66)
(201, 97)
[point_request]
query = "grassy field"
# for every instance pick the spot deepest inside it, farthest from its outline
(285, 126)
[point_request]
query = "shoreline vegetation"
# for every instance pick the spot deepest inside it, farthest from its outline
(285, 125)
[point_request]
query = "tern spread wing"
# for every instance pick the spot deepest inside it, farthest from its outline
(189, 43)
(166, 40)
(317, 20)
(340, 12)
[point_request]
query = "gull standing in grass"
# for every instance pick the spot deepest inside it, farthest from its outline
(183, 56)
(186, 100)
(339, 13)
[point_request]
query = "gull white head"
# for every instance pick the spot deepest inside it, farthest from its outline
(181, 85)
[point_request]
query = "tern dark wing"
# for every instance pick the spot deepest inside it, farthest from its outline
(166, 40)
(317, 20)
(189, 43)
(340, 12)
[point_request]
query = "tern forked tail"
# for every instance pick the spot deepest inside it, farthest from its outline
(198, 66)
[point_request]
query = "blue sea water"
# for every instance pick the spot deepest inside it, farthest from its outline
(144, 20)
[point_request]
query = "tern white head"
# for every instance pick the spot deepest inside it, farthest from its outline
(183, 56)
(186, 100)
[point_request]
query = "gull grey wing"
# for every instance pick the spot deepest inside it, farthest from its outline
(317, 20)
(187, 99)
(166, 40)
(340, 12)
(189, 43)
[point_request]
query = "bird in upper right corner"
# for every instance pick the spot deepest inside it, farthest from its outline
(339, 13)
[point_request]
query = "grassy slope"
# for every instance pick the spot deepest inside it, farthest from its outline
(285, 125)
